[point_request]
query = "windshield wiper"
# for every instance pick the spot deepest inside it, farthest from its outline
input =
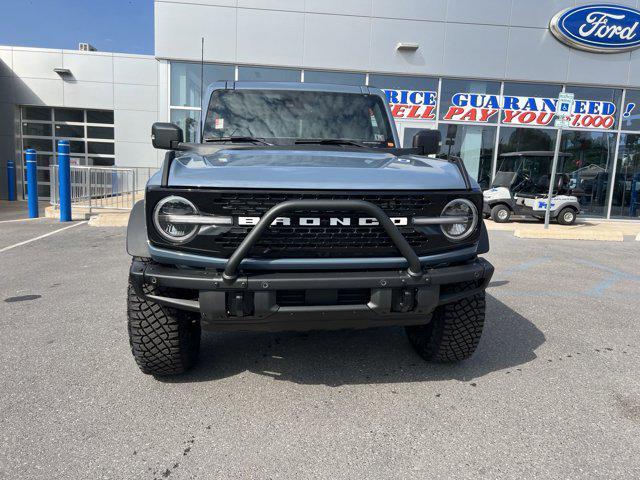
(238, 140)
(330, 141)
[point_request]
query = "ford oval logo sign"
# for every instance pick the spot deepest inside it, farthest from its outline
(598, 28)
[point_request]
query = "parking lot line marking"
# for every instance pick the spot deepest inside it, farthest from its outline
(41, 236)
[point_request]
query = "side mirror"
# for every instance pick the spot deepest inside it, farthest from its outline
(166, 136)
(427, 141)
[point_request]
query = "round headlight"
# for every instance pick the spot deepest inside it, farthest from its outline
(467, 214)
(166, 218)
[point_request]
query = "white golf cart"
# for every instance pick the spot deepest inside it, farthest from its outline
(521, 187)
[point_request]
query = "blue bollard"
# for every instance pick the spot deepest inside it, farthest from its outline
(11, 180)
(64, 180)
(32, 182)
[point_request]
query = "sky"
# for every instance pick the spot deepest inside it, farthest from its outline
(124, 26)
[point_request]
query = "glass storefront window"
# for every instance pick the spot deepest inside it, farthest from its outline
(595, 115)
(410, 98)
(474, 144)
(529, 103)
(189, 122)
(631, 111)
(100, 116)
(401, 82)
(36, 129)
(590, 167)
(470, 101)
(343, 78)
(68, 115)
(185, 81)
(36, 113)
(522, 139)
(268, 74)
(626, 189)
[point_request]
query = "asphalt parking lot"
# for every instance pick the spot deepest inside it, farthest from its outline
(552, 392)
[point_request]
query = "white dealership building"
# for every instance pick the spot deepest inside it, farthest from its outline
(484, 72)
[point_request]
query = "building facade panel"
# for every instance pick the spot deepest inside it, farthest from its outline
(339, 7)
(477, 12)
(386, 34)
(546, 59)
(475, 50)
(135, 97)
(276, 37)
(183, 25)
(336, 41)
(287, 5)
(87, 94)
(135, 69)
(432, 10)
(91, 67)
(134, 126)
(525, 13)
(36, 63)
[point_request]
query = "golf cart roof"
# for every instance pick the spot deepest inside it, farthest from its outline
(534, 153)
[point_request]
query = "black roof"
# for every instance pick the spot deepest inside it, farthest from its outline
(534, 153)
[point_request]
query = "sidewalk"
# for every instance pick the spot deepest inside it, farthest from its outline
(591, 229)
(18, 209)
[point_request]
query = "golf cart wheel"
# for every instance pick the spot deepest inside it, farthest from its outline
(164, 341)
(454, 331)
(500, 214)
(567, 216)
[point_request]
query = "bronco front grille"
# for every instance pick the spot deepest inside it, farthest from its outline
(319, 241)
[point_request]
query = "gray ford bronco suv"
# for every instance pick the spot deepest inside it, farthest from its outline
(298, 210)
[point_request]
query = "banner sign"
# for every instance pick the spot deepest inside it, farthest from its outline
(483, 107)
(600, 28)
(535, 111)
(412, 104)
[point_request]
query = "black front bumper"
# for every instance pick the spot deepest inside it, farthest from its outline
(255, 301)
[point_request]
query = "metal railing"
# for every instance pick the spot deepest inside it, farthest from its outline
(111, 188)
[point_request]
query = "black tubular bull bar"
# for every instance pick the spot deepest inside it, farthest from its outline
(231, 270)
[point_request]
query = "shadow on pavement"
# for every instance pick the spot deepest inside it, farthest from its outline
(351, 357)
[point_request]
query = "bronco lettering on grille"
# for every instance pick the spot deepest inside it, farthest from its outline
(322, 222)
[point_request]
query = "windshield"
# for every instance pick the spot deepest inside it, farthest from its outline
(531, 166)
(298, 115)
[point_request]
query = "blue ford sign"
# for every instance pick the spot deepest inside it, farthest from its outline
(598, 28)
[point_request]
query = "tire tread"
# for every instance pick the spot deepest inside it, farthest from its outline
(164, 341)
(454, 331)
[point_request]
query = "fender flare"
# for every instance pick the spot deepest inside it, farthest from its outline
(483, 242)
(137, 243)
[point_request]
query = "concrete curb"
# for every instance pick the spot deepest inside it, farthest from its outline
(50, 212)
(120, 219)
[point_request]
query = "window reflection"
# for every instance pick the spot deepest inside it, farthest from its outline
(589, 167)
(268, 74)
(521, 139)
(474, 144)
(186, 82)
(189, 122)
(341, 78)
(626, 191)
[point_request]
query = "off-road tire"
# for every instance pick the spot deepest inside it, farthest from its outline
(498, 215)
(164, 341)
(566, 211)
(454, 331)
